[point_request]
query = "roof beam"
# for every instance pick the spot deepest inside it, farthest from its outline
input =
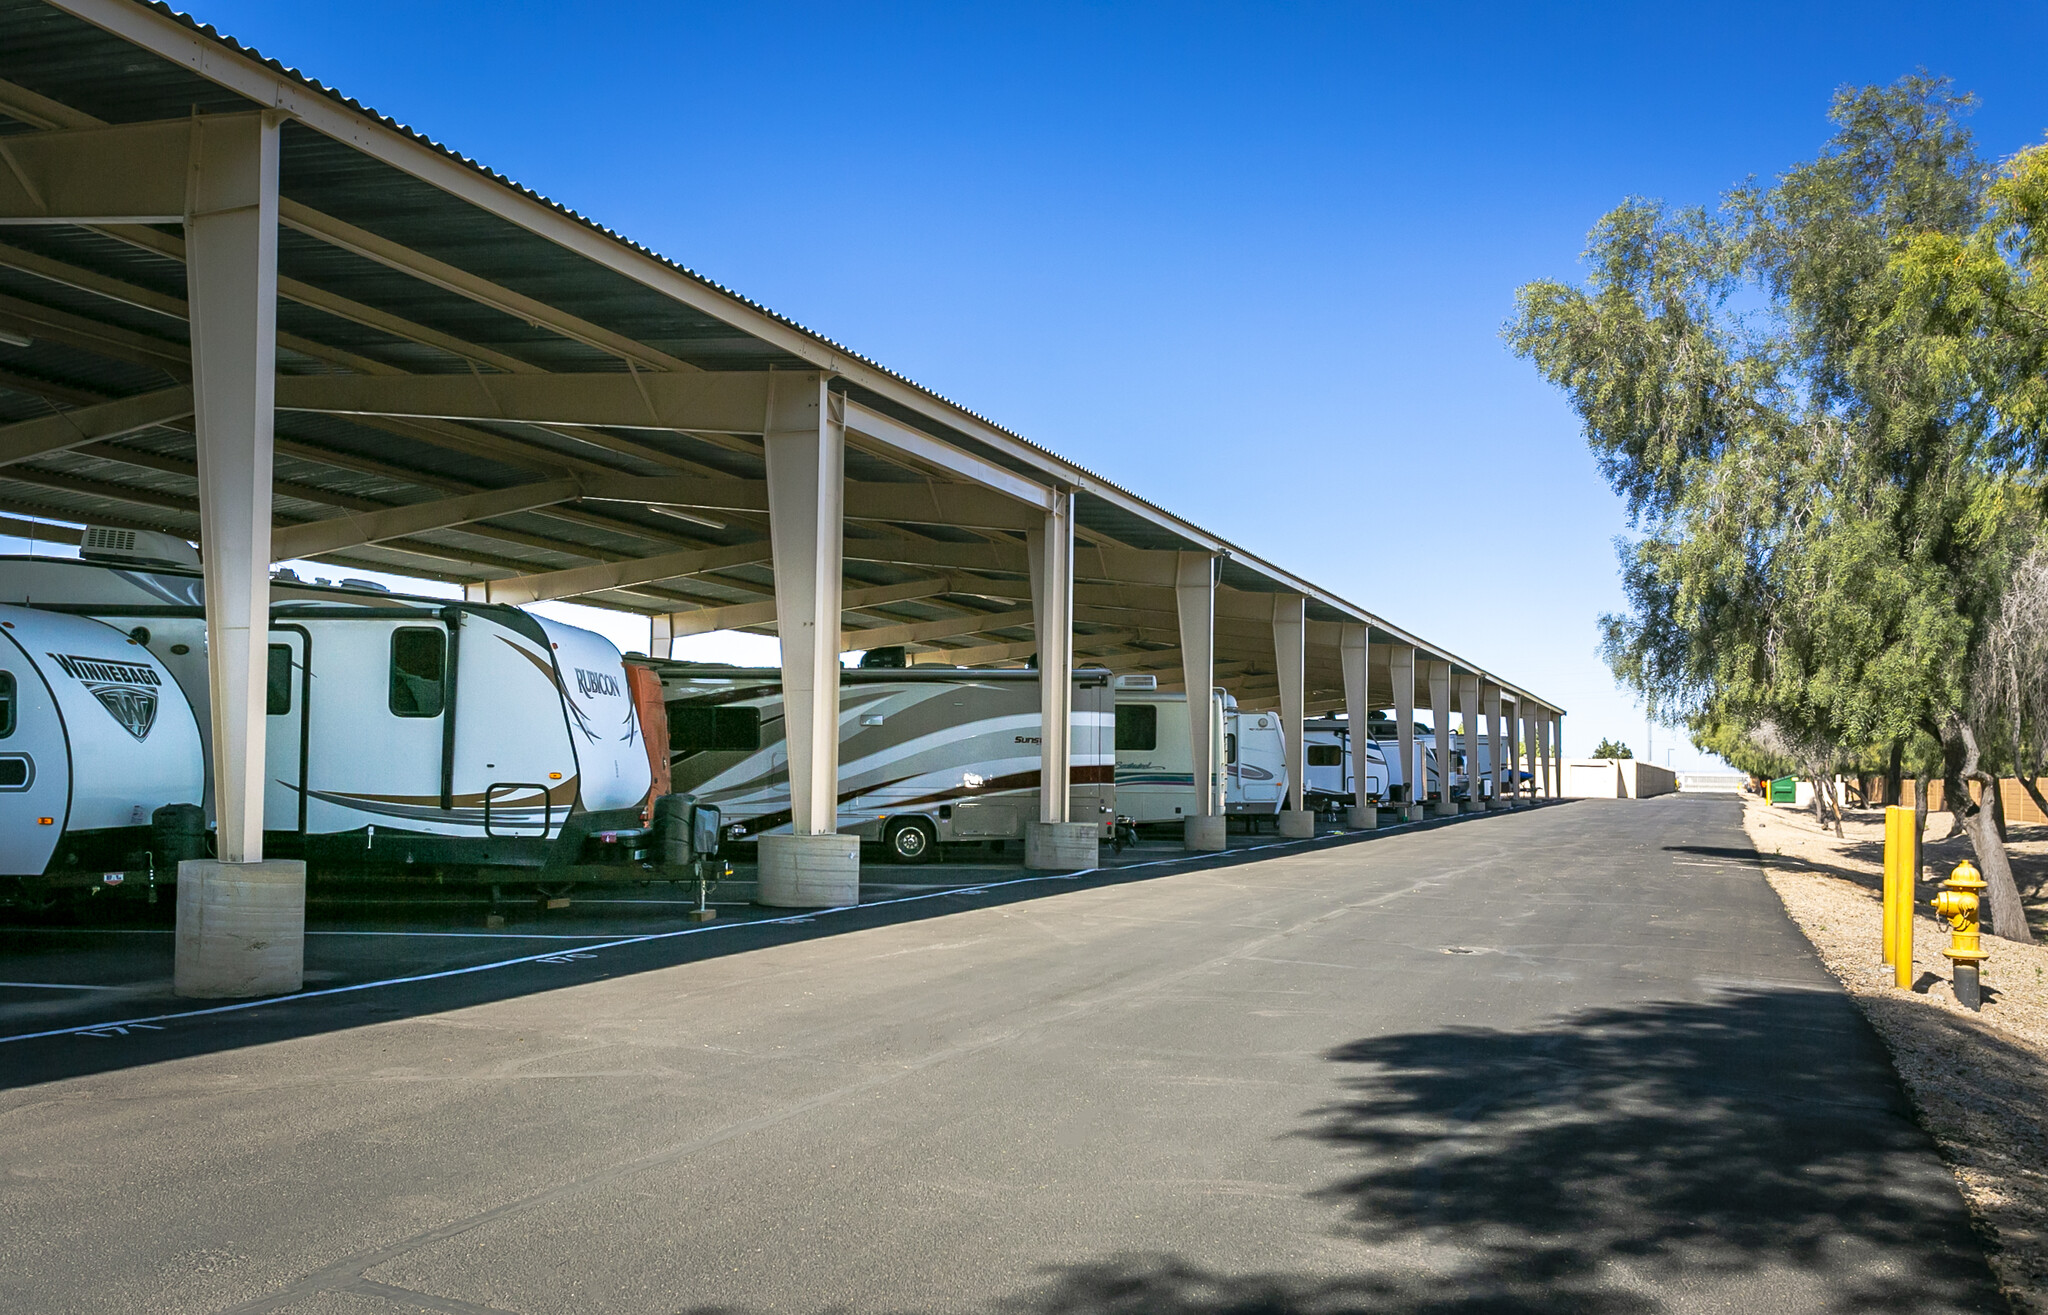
(130, 173)
(903, 440)
(91, 424)
(349, 531)
(617, 575)
(919, 632)
(738, 616)
(733, 402)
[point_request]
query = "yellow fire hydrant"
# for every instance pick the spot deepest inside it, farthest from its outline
(1958, 902)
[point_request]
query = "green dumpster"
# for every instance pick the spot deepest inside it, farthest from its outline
(1785, 790)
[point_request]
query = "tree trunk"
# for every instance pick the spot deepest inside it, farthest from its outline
(1894, 772)
(1955, 795)
(1920, 784)
(2008, 915)
(1998, 807)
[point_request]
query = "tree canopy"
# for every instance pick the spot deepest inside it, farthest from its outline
(1822, 404)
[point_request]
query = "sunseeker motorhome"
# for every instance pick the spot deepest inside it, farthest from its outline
(1155, 779)
(404, 736)
(928, 755)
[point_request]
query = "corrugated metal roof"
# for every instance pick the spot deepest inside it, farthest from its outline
(412, 324)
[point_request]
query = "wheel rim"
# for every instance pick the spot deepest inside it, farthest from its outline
(910, 842)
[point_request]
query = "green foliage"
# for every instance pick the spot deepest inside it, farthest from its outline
(1823, 519)
(1613, 749)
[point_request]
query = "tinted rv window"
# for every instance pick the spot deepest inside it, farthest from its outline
(1137, 727)
(1230, 749)
(6, 704)
(1326, 755)
(418, 654)
(277, 695)
(699, 727)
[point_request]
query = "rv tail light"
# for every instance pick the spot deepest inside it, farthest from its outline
(46, 821)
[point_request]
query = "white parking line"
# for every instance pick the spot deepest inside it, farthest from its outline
(62, 986)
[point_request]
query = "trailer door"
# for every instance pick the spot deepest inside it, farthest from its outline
(286, 689)
(35, 766)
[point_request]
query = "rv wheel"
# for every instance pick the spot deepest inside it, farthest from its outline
(910, 841)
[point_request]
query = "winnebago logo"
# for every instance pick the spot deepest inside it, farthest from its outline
(595, 682)
(127, 690)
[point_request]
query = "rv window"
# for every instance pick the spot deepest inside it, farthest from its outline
(277, 696)
(1137, 727)
(418, 654)
(1230, 749)
(6, 704)
(1326, 755)
(700, 727)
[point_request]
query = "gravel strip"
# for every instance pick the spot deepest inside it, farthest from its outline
(1980, 1080)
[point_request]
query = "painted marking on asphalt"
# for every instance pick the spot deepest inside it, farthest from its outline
(62, 986)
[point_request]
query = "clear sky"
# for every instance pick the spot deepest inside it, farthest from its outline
(1251, 261)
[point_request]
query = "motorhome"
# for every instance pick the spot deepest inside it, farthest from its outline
(1155, 780)
(928, 755)
(1330, 774)
(403, 735)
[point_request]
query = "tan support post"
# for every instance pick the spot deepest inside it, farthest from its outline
(1401, 667)
(1290, 655)
(1353, 651)
(1056, 842)
(241, 920)
(804, 439)
(1194, 592)
(1440, 718)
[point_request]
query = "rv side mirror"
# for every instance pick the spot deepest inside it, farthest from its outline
(706, 828)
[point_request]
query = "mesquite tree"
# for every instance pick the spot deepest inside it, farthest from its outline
(1825, 523)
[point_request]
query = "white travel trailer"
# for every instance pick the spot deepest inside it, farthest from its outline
(928, 755)
(1331, 770)
(1155, 780)
(1423, 767)
(405, 736)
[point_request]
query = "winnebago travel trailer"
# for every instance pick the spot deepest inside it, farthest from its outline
(405, 736)
(1331, 772)
(928, 755)
(1155, 779)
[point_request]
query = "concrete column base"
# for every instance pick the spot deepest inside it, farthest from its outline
(1062, 846)
(241, 928)
(1297, 824)
(809, 872)
(1470, 806)
(1205, 835)
(1362, 817)
(1412, 813)
(1444, 808)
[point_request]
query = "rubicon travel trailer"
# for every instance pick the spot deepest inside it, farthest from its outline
(928, 755)
(405, 736)
(1155, 778)
(1331, 772)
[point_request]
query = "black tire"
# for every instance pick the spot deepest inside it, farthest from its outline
(912, 840)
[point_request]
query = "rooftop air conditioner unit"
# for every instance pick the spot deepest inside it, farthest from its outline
(1137, 682)
(137, 548)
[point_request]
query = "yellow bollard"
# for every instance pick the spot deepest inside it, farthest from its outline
(1958, 902)
(1901, 873)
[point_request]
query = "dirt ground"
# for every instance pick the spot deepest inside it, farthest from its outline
(1980, 1080)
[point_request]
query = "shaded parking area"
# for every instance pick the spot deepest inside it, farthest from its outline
(1569, 1059)
(97, 964)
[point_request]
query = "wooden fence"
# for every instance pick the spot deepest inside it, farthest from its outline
(2019, 806)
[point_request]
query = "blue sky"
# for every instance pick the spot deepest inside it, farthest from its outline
(1249, 261)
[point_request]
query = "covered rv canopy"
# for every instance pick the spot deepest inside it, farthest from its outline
(475, 384)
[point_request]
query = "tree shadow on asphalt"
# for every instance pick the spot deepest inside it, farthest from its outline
(1754, 1152)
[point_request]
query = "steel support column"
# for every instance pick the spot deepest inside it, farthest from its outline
(804, 438)
(1440, 725)
(1290, 655)
(1353, 648)
(1489, 723)
(1194, 591)
(1468, 717)
(241, 921)
(1401, 667)
(1056, 842)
